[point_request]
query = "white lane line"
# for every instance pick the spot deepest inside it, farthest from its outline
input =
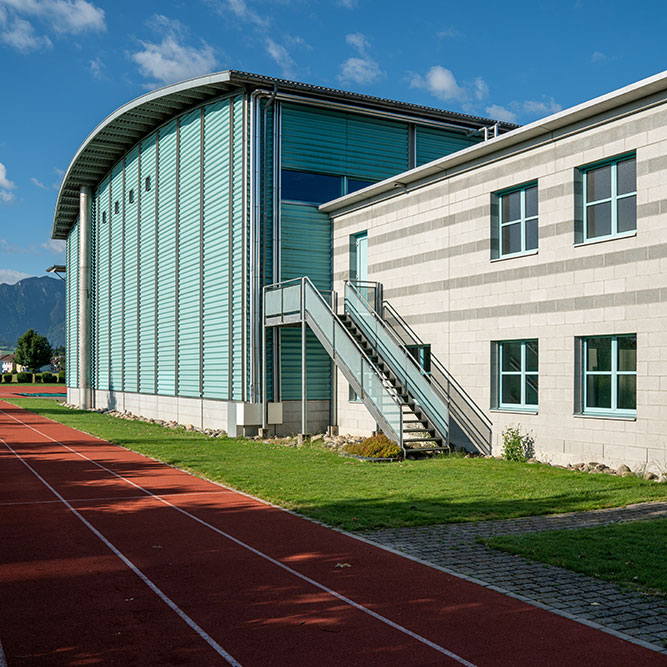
(261, 554)
(99, 500)
(168, 601)
(3, 660)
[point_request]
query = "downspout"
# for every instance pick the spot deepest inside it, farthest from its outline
(85, 195)
(256, 266)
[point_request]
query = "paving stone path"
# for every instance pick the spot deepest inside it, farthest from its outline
(454, 547)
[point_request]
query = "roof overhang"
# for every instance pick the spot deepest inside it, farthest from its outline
(120, 131)
(546, 129)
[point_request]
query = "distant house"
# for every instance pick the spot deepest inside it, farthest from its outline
(8, 362)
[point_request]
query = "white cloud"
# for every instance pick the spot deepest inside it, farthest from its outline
(358, 41)
(171, 59)
(541, 107)
(9, 276)
(598, 57)
(441, 83)
(480, 89)
(6, 186)
(54, 246)
(240, 9)
(281, 56)
(96, 68)
(448, 33)
(64, 16)
(362, 69)
(497, 112)
(348, 4)
(39, 184)
(295, 40)
(20, 34)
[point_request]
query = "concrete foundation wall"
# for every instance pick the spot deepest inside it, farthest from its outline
(431, 249)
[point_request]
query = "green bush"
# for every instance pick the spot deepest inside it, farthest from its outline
(378, 446)
(48, 377)
(61, 377)
(38, 377)
(24, 377)
(6, 378)
(516, 446)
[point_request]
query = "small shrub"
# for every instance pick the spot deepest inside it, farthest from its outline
(24, 377)
(6, 377)
(378, 446)
(61, 377)
(516, 446)
(38, 377)
(48, 377)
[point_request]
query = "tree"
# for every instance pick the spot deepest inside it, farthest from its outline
(33, 350)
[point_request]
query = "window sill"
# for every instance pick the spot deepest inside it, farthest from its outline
(605, 239)
(515, 255)
(517, 411)
(600, 415)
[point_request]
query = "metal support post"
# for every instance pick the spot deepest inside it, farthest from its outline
(304, 388)
(264, 390)
(85, 196)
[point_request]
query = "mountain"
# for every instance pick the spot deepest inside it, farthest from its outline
(32, 303)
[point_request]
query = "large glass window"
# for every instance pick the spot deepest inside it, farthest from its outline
(516, 224)
(610, 198)
(517, 374)
(610, 375)
(303, 186)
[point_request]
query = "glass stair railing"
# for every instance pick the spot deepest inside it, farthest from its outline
(427, 427)
(298, 301)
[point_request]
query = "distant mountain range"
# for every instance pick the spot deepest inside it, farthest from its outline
(32, 303)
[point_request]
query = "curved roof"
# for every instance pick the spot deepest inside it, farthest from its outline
(121, 130)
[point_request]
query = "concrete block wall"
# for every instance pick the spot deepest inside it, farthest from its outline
(430, 247)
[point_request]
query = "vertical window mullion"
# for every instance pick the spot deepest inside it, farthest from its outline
(523, 220)
(585, 373)
(500, 373)
(614, 373)
(614, 197)
(523, 373)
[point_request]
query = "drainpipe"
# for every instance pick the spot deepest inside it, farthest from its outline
(256, 273)
(85, 197)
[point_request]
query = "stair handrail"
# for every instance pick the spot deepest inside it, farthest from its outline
(304, 281)
(435, 362)
(437, 388)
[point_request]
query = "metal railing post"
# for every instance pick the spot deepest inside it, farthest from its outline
(304, 387)
(264, 390)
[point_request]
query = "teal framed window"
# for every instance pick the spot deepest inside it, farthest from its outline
(517, 374)
(515, 221)
(609, 375)
(609, 198)
(311, 188)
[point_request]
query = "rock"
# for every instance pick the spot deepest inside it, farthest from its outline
(627, 473)
(650, 476)
(531, 460)
(622, 468)
(317, 438)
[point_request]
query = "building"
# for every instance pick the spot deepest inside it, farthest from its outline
(182, 205)
(483, 274)
(535, 265)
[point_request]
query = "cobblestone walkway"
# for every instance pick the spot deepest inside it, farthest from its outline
(453, 546)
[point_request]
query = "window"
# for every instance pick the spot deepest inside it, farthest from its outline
(610, 375)
(514, 221)
(147, 183)
(517, 373)
(354, 184)
(116, 207)
(312, 188)
(104, 217)
(609, 198)
(131, 196)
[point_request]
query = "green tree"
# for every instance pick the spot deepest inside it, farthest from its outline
(33, 350)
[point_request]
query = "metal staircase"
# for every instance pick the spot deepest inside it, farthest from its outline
(409, 408)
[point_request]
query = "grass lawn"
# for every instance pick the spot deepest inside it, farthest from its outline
(358, 495)
(632, 554)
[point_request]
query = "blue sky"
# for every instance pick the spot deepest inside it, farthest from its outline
(66, 64)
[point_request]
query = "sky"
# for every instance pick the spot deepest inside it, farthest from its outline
(67, 64)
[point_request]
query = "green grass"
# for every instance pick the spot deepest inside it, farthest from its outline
(357, 495)
(631, 554)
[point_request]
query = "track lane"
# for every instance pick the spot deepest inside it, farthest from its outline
(489, 628)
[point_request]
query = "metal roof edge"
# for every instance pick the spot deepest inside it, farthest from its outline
(235, 78)
(396, 184)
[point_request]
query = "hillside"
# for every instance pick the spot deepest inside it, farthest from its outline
(37, 303)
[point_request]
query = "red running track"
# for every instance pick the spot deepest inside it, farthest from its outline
(108, 557)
